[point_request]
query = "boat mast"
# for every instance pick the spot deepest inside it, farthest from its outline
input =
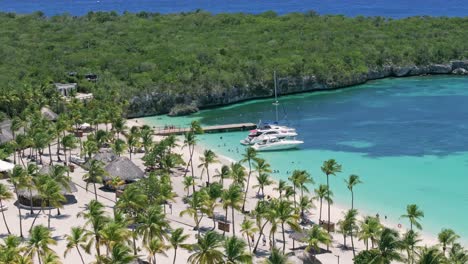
(276, 103)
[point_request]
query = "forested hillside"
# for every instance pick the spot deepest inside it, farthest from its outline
(181, 58)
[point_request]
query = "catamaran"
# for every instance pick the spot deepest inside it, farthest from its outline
(280, 137)
(274, 143)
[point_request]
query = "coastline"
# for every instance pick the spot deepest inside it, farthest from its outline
(337, 209)
(306, 84)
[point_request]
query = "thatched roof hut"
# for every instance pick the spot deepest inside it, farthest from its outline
(25, 195)
(5, 132)
(104, 155)
(125, 169)
(48, 114)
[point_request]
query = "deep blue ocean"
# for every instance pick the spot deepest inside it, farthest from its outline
(393, 9)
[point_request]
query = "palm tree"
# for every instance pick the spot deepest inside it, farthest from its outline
(120, 254)
(370, 228)
(286, 215)
(206, 250)
(190, 141)
(263, 180)
(413, 213)
(277, 257)
(235, 252)
(232, 197)
(76, 240)
(11, 250)
(322, 192)
(352, 181)
(305, 204)
(315, 237)
(131, 203)
(156, 246)
(195, 204)
(458, 255)
(152, 223)
(119, 147)
(261, 212)
(31, 171)
(115, 232)
(177, 240)
(388, 247)
(57, 173)
(146, 135)
(68, 142)
(446, 238)
(249, 155)
(5, 195)
(90, 147)
(431, 255)
(223, 174)
(237, 174)
(248, 230)
(409, 242)
(188, 182)
(209, 157)
(95, 175)
(96, 219)
(51, 195)
(133, 141)
(282, 185)
(18, 179)
(330, 167)
(51, 258)
(350, 226)
(39, 242)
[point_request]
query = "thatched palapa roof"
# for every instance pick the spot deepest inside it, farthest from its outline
(48, 114)
(5, 132)
(104, 155)
(123, 168)
(35, 194)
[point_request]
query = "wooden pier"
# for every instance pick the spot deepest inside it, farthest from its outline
(174, 130)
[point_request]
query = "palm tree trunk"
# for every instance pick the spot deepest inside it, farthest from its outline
(208, 174)
(175, 255)
(50, 156)
(328, 202)
(247, 188)
(284, 238)
(225, 219)
(352, 199)
(352, 244)
(259, 237)
(65, 153)
(233, 224)
(134, 241)
(39, 257)
(48, 218)
(95, 191)
(30, 201)
(4, 219)
(58, 147)
(19, 213)
(79, 253)
(34, 220)
(98, 250)
(320, 213)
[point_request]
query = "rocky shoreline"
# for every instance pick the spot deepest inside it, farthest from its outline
(177, 105)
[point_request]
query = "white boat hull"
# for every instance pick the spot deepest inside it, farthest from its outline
(278, 145)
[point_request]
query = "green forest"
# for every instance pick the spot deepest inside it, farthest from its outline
(196, 54)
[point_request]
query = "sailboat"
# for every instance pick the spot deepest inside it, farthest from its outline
(273, 136)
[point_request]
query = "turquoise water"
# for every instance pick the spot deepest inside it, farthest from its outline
(406, 138)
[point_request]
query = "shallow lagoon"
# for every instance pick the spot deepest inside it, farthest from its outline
(406, 138)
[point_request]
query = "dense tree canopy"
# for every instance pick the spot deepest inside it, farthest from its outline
(200, 53)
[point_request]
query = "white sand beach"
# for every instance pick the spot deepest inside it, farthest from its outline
(61, 224)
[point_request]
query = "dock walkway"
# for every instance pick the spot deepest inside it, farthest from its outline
(174, 130)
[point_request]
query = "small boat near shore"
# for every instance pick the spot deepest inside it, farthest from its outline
(274, 143)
